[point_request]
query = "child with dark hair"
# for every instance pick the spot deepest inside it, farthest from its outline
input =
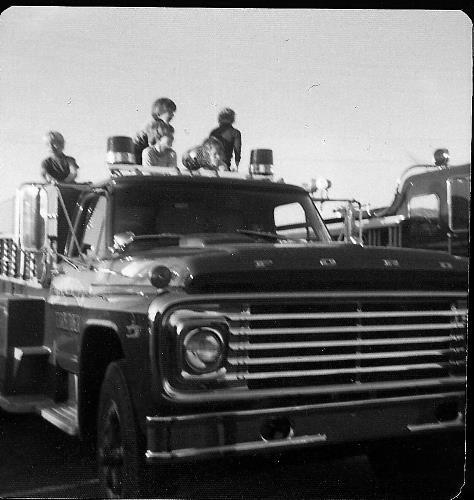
(58, 167)
(229, 136)
(160, 152)
(162, 111)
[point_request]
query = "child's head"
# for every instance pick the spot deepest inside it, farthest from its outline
(166, 140)
(163, 109)
(226, 116)
(55, 141)
(158, 130)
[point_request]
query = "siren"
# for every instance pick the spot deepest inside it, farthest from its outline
(261, 163)
(441, 157)
(120, 150)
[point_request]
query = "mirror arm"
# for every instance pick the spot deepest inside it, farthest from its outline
(69, 222)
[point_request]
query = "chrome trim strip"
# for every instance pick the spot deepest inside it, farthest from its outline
(355, 314)
(246, 346)
(294, 296)
(335, 357)
(236, 448)
(350, 329)
(437, 383)
(102, 322)
(334, 371)
(305, 408)
(436, 426)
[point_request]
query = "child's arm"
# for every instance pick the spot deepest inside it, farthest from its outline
(237, 147)
(73, 167)
(146, 158)
(172, 161)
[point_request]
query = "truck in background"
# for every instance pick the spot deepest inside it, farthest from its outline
(430, 210)
(177, 317)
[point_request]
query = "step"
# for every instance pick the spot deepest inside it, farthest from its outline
(63, 416)
(29, 370)
(24, 403)
(35, 351)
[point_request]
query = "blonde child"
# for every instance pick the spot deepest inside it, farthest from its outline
(160, 152)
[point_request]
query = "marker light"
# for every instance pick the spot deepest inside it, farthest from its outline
(323, 184)
(441, 157)
(261, 162)
(120, 149)
(160, 276)
(203, 349)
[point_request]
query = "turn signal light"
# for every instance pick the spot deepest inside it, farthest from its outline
(160, 276)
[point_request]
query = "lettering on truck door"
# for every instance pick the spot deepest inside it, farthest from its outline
(71, 289)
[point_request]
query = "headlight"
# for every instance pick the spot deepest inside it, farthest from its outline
(203, 349)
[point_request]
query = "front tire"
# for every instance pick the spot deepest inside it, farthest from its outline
(120, 444)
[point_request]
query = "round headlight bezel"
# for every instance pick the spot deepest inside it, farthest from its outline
(194, 356)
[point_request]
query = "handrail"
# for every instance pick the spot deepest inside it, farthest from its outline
(69, 223)
(348, 219)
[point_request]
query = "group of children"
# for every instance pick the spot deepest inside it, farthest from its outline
(154, 146)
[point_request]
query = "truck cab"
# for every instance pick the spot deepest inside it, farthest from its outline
(430, 210)
(182, 316)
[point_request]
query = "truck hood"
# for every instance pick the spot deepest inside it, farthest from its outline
(208, 266)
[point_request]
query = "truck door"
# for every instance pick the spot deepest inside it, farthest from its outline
(425, 227)
(71, 290)
(458, 198)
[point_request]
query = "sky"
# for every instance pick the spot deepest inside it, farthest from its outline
(355, 96)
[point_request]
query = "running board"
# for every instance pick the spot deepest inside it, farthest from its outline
(24, 403)
(63, 416)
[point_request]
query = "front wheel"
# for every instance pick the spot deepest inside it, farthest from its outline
(120, 444)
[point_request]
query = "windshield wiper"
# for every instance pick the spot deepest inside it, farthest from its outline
(123, 240)
(268, 236)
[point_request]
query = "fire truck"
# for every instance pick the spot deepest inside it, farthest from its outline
(173, 315)
(430, 210)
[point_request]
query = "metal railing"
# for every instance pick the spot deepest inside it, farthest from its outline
(350, 214)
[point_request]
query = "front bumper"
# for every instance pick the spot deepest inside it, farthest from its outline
(212, 435)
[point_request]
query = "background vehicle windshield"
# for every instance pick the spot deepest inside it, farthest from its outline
(197, 208)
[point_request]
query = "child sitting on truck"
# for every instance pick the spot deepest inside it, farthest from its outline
(162, 112)
(58, 167)
(160, 152)
(208, 156)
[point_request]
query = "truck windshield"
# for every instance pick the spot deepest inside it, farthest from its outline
(225, 208)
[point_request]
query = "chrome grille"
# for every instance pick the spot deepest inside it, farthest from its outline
(348, 340)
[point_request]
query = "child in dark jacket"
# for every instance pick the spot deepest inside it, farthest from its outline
(229, 136)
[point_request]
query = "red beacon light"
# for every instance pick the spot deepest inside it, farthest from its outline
(261, 164)
(441, 158)
(120, 150)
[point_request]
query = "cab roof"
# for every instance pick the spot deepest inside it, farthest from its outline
(133, 180)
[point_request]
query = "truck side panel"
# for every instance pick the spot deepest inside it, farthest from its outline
(21, 331)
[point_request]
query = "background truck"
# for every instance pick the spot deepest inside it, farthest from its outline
(430, 210)
(171, 317)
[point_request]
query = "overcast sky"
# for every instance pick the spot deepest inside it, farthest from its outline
(352, 95)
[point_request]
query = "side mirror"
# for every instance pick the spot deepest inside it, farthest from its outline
(121, 240)
(32, 217)
(36, 216)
